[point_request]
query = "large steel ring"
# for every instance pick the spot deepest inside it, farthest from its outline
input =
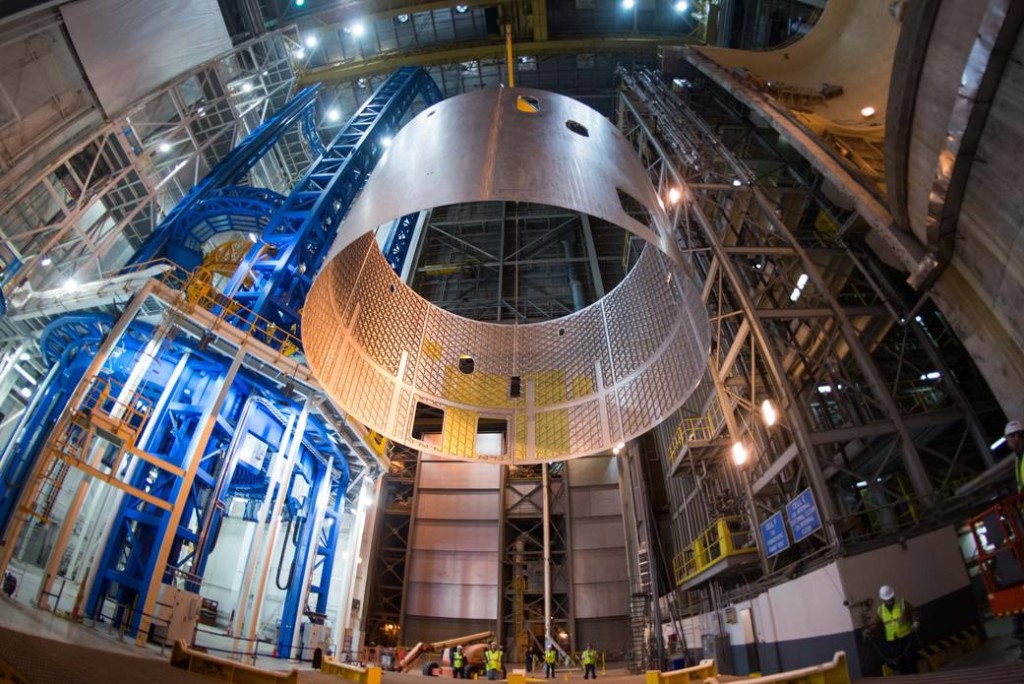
(569, 387)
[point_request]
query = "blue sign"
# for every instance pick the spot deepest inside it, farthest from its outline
(773, 533)
(803, 515)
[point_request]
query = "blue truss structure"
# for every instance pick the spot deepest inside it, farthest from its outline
(183, 381)
(273, 283)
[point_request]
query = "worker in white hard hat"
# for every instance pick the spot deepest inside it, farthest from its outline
(1014, 434)
(898, 619)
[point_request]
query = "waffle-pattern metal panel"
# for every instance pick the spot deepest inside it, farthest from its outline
(587, 381)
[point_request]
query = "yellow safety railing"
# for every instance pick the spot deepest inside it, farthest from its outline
(226, 670)
(835, 672)
(8, 675)
(199, 292)
(354, 673)
(725, 537)
(698, 673)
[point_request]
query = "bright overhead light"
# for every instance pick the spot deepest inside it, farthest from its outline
(253, 237)
(163, 147)
(768, 413)
(25, 392)
(682, 6)
(402, 18)
(462, 9)
(739, 453)
(628, 4)
(795, 294)
(70, 285)
(333, 114)
(300, 3)
(998, 443)
(25, 356)
(385, 141)
(310, 41)
(736, 182)
(867, 112)
(299, 53)
(358, 29)
(824, 389)
(933, 375)
(247, 87)
(674, 195)
(45, 261)
(802, 280)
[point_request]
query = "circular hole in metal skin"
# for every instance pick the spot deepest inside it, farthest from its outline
(589, 380)
(528, 104)
(577, 128)
(466, 364)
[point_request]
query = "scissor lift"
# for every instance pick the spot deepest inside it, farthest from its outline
(999, 539)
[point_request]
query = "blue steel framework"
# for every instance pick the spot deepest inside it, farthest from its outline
(185, 382)
(273, 283)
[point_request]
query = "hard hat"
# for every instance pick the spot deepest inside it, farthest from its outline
(1013, 426)
(886, 593)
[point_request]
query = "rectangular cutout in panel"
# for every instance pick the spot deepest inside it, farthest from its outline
(427, 419)
(491, 435)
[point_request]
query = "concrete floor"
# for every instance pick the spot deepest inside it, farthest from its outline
(46, 648)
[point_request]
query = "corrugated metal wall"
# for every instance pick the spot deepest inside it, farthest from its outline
(452, 580)
(600, 574)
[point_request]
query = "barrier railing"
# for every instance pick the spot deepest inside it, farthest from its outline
(226, 670)
(354, 673)
(706, 669)
(835, 672)
(728, 536)
(8, 675)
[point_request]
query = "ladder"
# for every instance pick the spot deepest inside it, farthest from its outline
(639, 624)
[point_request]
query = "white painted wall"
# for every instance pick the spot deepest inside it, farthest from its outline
(925, 568)
(922, 570)
(224, 568)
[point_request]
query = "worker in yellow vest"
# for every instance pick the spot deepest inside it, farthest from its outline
(492, 659)
(549, 662)
(589, 662)
(458, 663)
(899, 621)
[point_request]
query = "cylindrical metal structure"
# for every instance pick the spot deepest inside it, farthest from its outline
(588, 381)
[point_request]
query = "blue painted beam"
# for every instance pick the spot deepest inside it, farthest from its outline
(302, 232)
(229, 171)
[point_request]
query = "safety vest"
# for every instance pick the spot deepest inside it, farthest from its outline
(458, 660)
(897, 626)
(589, 656)
(493, 660)
(549, 656)
(1020, 472)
